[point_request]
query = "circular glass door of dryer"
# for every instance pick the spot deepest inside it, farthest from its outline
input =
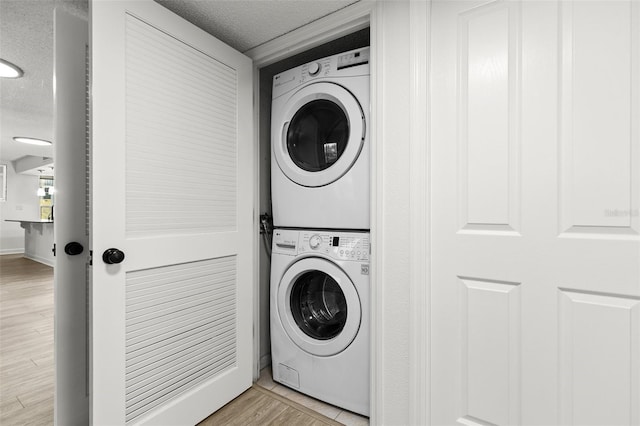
(317, 135)
(321, 135)
(319, 307)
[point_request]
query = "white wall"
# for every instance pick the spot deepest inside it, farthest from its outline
(22, 203)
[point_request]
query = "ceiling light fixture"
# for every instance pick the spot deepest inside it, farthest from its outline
(32, 141)
(9, 70)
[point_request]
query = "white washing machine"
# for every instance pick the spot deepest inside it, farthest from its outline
(320, 144)
(320, 315)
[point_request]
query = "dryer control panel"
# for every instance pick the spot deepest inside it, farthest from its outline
(353, 63)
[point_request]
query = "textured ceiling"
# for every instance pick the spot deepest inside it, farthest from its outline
(26, 104)
(246, 24)
(26, 38)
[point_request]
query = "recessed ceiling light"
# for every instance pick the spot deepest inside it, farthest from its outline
(9, 70)
(31, 141)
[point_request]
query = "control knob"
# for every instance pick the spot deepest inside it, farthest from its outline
(314, 68)
(315, 241)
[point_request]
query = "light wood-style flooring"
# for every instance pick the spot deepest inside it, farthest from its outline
(26, 342)
(259, 406)
(27, 368)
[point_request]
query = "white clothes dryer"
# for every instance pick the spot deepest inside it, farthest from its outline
(320, 144)
(320, 315)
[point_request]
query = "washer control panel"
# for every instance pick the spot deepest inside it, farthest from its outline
(337, 245)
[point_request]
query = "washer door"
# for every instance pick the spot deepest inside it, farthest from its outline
(319, 307)
(321, 136)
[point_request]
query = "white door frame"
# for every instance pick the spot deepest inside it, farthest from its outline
(331, 27)
(338, 24)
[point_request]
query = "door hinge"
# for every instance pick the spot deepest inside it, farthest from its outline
(53, 250)
(90, 257)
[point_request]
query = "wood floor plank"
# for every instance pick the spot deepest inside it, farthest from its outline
(26, 333)
(319, 416)
(292, 417)
(250, 408)
(259, 406)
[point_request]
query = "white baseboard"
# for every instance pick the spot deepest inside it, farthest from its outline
(12, 251)
(42, 260)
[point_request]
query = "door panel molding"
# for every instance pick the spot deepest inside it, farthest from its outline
(603, 201)
(489, 82)
(598, 328)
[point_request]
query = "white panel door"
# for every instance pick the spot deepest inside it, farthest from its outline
(536, 224)
(71, 225)
(171, 324)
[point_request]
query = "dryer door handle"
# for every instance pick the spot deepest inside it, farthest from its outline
(285, 129)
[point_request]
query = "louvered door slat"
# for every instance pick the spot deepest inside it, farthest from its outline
(180, 326)
(150, 354)
(188, 321)
(193, 141)
(171, 355)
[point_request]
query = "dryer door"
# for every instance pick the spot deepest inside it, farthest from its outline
(321, 134)
(319, 307)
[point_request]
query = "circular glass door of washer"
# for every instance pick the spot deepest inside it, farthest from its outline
(318, 306)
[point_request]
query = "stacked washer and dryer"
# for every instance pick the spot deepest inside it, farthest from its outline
(319, 296)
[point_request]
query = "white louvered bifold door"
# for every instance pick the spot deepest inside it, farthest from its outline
(172, 189)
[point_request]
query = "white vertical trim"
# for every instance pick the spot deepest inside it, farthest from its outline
(376, 209)
(256, 224)
(419, 214)
(71, 399)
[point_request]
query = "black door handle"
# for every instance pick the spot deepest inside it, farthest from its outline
(73, 248)
(112, 255)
